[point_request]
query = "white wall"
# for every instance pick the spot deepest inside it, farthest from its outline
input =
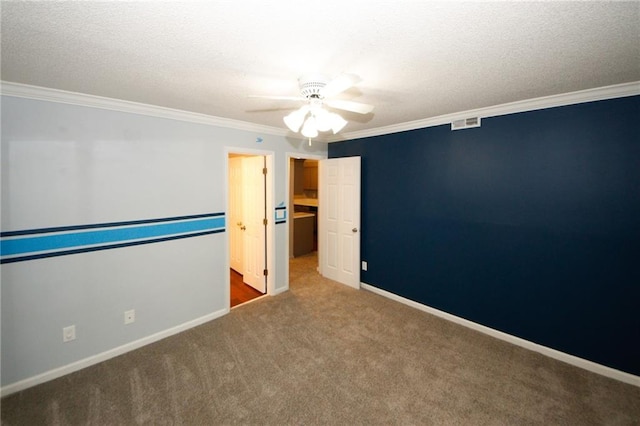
(68, 165)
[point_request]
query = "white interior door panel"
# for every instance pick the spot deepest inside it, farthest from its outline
(339, 220)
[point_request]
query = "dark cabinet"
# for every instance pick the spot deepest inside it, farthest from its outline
(303, 224)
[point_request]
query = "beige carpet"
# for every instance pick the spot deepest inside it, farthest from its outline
(323, 353)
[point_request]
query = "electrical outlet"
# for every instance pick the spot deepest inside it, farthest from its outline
(364, 265)
(129, 316)
(69, 333)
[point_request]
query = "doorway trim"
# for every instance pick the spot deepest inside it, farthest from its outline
(269, 197)
(290, 207)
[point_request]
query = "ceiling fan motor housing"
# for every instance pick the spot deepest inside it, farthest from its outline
(311, 86)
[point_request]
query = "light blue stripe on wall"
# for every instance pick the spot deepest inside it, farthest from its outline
(75, 239)
(13, 246)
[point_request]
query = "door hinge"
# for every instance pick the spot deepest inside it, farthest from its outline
(265, 222)
(266, 272)
(264, 170)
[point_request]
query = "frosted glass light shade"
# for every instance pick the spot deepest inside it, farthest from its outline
(319, 120)
(296, 118)
(337, 122)
(323, 120)
(309, 130)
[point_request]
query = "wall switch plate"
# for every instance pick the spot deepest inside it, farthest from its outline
(364, 265)
(130, 316)
(69, 333)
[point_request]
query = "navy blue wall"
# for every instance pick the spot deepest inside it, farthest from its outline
(529, 224)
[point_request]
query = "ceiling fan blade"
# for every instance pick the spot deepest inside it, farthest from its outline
(349, 106)
(282, 98)
(339, 85)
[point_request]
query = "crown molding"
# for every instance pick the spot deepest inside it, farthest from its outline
(572, 98)
(73, 98)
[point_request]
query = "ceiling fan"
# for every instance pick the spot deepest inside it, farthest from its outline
(317, 92)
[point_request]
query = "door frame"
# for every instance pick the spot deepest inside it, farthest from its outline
(269, 197)
(290, 207)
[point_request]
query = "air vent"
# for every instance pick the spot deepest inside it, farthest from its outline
(466, 123)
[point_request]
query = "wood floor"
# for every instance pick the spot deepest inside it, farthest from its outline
(241, 292)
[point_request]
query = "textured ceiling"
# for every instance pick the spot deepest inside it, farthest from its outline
(416, 59)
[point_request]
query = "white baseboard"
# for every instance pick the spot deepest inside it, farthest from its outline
(552, 353)
(280, 290)
(111, 353)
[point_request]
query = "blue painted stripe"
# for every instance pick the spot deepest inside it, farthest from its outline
(76, 239)
(105, 225)
(107, 247)
(30, 244)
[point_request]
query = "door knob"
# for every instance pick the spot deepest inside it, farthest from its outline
(354, 230)
(239, 223)
(243, 227)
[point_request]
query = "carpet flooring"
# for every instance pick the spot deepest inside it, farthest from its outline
(325, 354)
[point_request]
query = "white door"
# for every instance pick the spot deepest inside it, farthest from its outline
(236, 235)
(339, 220)
(254, 229)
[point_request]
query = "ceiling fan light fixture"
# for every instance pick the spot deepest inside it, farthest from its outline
(296, 118)
(310, 129)
(293, 122)
(337, 122)
(316, 91)
(324, 121)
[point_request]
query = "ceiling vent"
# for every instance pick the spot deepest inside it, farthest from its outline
(466, 123)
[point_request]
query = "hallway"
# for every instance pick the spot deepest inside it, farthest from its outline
(241, 292)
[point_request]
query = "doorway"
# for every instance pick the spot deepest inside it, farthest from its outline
(303, 205)
(250, 234)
